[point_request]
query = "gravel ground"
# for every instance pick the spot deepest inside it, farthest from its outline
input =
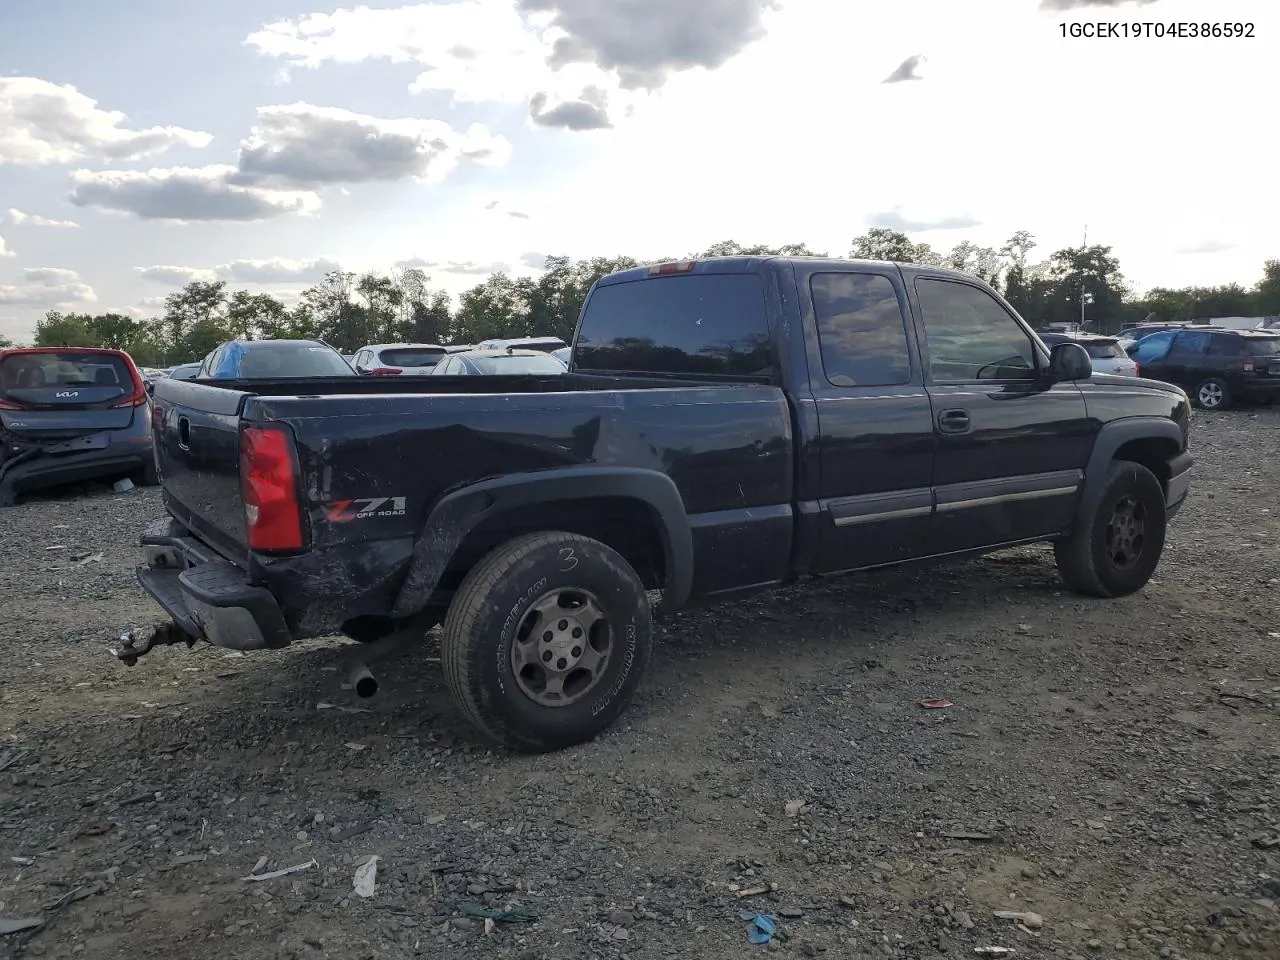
(1113, 767)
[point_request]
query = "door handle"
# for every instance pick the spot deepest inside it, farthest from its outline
(953, 421)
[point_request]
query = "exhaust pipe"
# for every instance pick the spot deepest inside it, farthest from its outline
(363, 681)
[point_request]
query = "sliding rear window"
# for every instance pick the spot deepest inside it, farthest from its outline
(701, 324)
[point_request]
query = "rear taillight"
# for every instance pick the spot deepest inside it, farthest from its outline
(1246, 365)
(269, 485)
(9, 405)
(1137, 370)
(139, 395)
(384, 372)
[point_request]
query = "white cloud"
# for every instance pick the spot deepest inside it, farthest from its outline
(47, 287)
(177, 276)
(504, 50)
(473, 268)
(43, 122)
(305, 146)
(277, 270)
(185, 194)
(35, 220)
(4, 250)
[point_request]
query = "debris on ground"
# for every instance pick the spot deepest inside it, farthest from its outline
(366, 878)
(284, 871)
(10, 925)
(761, 927)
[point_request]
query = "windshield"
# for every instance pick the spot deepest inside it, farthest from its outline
(294, 360)
(56, 369)
(1263, 346)
(412, 356)
(511, 366)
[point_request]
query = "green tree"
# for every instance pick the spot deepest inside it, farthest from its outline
(56, 329)
(499, 307)
(879, 243)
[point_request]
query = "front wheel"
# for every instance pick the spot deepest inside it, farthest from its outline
(546, 641)
(1118, 546)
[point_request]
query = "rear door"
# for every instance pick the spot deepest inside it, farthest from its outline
(876, 432)
(69, 398)
(1011, 445)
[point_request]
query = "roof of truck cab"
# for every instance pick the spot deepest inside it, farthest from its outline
(752, 264)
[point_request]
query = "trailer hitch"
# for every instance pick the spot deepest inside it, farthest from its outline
(141, 641)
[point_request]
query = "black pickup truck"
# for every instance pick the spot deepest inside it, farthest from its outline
(725, 426)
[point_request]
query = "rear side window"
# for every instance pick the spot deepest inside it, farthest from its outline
(703, 324)
(1262, 346)
(1197, 342)
(861, 330)
(412, 357)
(64, 368)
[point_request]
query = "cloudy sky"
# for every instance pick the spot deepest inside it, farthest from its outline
(146, 143)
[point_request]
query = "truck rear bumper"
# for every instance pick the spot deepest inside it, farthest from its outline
(206, 595)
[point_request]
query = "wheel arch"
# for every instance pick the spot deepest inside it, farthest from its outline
(1152, 442)
(637, 512)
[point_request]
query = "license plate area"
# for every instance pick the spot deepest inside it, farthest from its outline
(95, 441)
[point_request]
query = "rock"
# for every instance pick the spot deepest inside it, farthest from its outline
(791, 913)
(462, 923)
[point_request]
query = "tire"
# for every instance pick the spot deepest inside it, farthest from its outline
(149, 477)
(1212, 394)
(493, 660)
(1130, 511)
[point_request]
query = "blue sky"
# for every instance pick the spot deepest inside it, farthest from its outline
(263, 141)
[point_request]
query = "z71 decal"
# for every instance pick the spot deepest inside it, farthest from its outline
(340, 511)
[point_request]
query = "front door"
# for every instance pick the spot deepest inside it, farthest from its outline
(876, 429)
(1011, 445)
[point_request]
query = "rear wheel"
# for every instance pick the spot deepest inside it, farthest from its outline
(546, 641)
(1212, 394)
(1117, 548)
(149, 477)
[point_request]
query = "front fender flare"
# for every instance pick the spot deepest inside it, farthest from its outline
(459, 512)
(1109, 440)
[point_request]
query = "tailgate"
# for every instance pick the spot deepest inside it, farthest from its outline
(197, 440)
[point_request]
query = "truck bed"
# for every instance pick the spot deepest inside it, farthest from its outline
(376, 454)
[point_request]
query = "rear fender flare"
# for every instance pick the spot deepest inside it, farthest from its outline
(1110, 439)
(457, 513)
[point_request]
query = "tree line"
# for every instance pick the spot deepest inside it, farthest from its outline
(349, 310)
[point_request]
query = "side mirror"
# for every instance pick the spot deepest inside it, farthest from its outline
(1069, 362)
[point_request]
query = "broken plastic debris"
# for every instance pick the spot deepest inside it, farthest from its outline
(1032, 921)
(10, 925)
(796, 807)
(284, 872)
(936, 704)
(366, 877)
(761, 927)
(514, 915)
(994, 951)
